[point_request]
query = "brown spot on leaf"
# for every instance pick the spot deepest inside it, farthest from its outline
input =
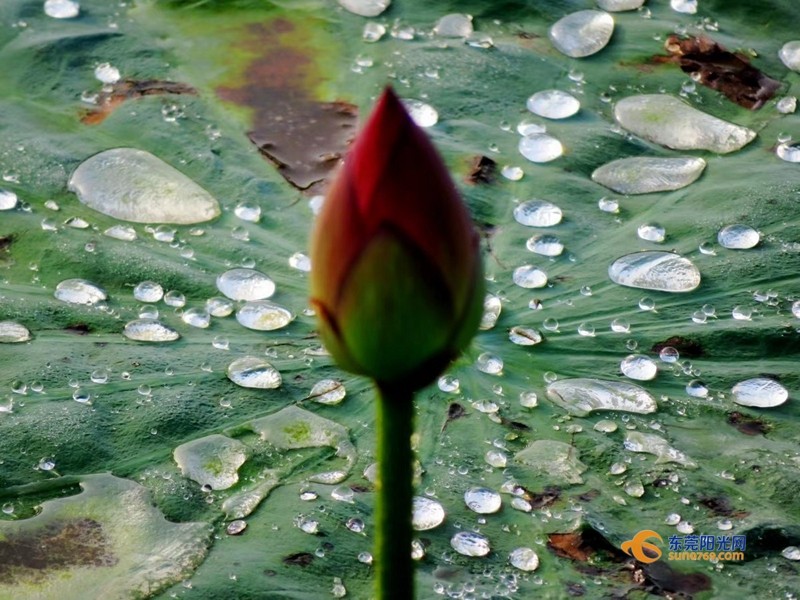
(748, 425)
(78, 328)
(300, 559)
(30, 556)
(667, 581)
(516, 425)
(128, 89)
(713, 66)
(721, 506)
(482, 170)
(687, 348)
(582, 545)
(303, 137)
(454, 411)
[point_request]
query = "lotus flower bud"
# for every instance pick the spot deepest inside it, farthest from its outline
(397, 278)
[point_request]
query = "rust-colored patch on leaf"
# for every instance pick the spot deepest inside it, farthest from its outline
(721, 506)
(748, 425)
(482, 170)
(303, 137)
(128, 89)
(31, 556)
(582, 545)
(712, 65)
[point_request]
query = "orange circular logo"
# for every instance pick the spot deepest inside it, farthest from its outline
(639, 544)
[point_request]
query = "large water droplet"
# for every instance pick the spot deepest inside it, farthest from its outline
(738, 237)
(649, 443)
(651, 233)
(121, 232)
(530, 277)
(788, 152)
(581, 396)
(482, 500)
(760, 392)
(245, 284)
(546, 245)
(61, 9)
(328, 391)
(133, 185)
(524, 559)
(8, 199)
(263, 315)
(254, 372)
(13, 333)
(555, 462)
(79, 291)
(468, 543)
(662, 271)
(639, 367)
(211, 461)
(790, 55)
(540, 148)
(148, 291)
(524, 336)
(426, 514)
(553, 104)
(455, 25)
(149, 330)
(643, 175)
(670, 122)
(537, 213)
(582, 33)
(365, 8)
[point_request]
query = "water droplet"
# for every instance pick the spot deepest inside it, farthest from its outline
(760, 392)
(149, 330)
(449, 384)
(619, 5)
(537, 213)
(512, 173)
(688, 7)
(365, 8)
(609, 205)
(8, 199)
(455, 25)
(635, 489)
(423, 114)
(175, 299)
(307, 525)
(639, 367)
(697, 389)
(489, 363)
(133, 185)
(670, 122)
(61, 9)
(661, 271)
(13, 333)
(219, 307)
(79, 291)
(724, 524)
(328, 391)
(586, 330)
(236, 527)
(672, 519)
(529, 127)
(106, 73)
(540, 148)
(468, 543)
(211, 461)
(558, 462)
(643, 175)
(620, 326)
(482, 500)
(426, 514)
(121, 232)
(738, 237)
(651, 233)
(529, 277)
(524, 336)
(580, 396)
(491, 312)
(373, 32)
(791, 553)
(582, 33)
(254, 372)
(529, 399)
(263, 316)
(668, 354)
(788, 152)
(148, 291)
(553, 104)
(606, 426)
(787, 105)
(338, 590)
(546, 245)
(524, 559)
(300, 261)
(685, 527)
(245, 284)
(196, 317)
(496, 458)
(790, 55)
(649, 443)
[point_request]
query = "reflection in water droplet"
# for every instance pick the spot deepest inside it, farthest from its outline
(649, 443)
(738, 237)
(106, 73)
(148, 291)
(553, 104)
(245, 284)
(647, 304)
(248, 211)
(263, 316)
(482, 500)
(582, 33)
(540, 148)
(620, 326)
(175, 299)
(606, 426)
(496, 458)
(468, 543)
(546, 245)
(537, 213)
(697, 389)
(449, 384)
(528, 399)
(524, 559)
(426, 514)
(668, 354)
(79, 291)
(149, 330)
(609, 205)
(529, 277)
(651, 233)
(423, 114)
(580, 396)
(254, 372)
(328, 391)
(489, 363)
(760, 392)
(300, 261)
(688, 7)
(524, 336)
(639, 367)
(791, 553)
(662, 271)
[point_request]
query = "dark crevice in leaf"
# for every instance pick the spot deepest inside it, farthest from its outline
(748, 425)
(300, 559)
(662, 579)
(482, 170)
(721, 506)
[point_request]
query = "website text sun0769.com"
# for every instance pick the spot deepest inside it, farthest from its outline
(709, 556)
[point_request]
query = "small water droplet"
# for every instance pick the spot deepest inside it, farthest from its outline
(553, 104)
(540, 148)
(738, 237)
(423, 114)
(426, 513)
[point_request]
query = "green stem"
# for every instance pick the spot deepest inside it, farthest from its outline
(395, 424)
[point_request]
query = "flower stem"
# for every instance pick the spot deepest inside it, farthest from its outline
(395, 424)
